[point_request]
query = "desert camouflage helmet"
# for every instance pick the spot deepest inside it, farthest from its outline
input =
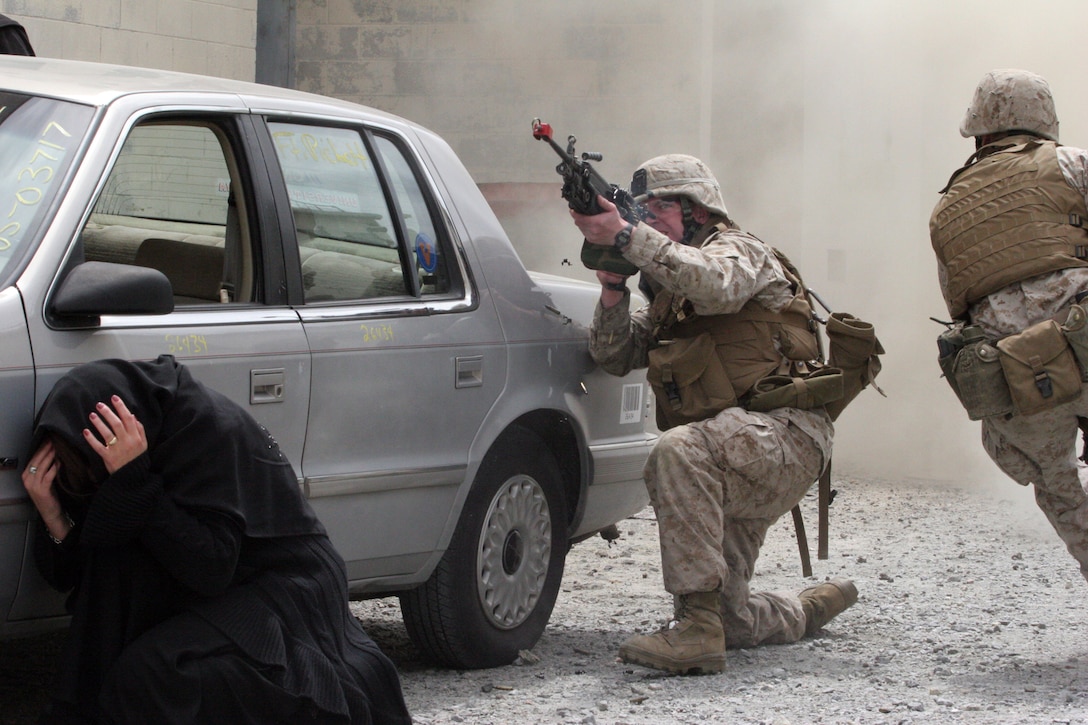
(1011, 100)
(678, 175)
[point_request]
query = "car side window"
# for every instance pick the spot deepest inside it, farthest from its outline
(363, 225)
(172, 202)
(346, 231)
(422, 234)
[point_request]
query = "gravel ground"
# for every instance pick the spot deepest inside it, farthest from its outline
(970, 611)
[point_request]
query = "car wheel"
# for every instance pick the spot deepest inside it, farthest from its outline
(493, 591)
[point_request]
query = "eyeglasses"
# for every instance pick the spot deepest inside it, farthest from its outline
(657, 207)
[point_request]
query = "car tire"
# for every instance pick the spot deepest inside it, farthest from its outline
(492, 592)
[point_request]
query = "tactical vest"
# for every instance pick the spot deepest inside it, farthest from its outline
(1006, 216)
(748, 344)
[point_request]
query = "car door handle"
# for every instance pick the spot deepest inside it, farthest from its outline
(266, 386)
(470, 372)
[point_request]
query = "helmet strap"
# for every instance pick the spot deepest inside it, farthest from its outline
(690, 225)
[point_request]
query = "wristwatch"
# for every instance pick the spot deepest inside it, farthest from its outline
(623, 237)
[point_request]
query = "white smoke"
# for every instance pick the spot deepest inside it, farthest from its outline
(831, 124)
(835, 124)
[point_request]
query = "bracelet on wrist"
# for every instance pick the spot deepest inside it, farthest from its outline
(71, 525)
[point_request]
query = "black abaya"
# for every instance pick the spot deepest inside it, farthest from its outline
(203, 588)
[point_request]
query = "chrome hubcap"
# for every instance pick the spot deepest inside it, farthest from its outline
(515, 548)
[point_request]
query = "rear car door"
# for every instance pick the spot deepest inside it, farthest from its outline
(407, 360)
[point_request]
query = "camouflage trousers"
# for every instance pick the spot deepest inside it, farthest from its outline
(717, 486)
(1040, 449)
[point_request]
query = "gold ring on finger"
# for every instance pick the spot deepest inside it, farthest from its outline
(111, 441)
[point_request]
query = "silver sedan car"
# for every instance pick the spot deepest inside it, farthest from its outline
(336, 271)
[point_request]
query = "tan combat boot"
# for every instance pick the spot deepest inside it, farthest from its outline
(694, 644)
(825, 601)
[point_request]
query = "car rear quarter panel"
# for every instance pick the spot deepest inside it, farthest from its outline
(545, 322)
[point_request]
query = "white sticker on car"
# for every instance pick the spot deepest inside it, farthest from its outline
(631, 404)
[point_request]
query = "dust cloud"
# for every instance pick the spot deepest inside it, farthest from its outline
(884, 87)
(831, 125)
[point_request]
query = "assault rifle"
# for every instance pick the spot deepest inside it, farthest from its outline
(581, 186)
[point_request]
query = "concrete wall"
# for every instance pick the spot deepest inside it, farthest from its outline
(213, 37)
(478, 71)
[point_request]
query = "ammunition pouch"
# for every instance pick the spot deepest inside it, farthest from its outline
(854, 350)
(1075, 328)
(689, 380)
(820, 388)
(1039, 367)
(1026, 373)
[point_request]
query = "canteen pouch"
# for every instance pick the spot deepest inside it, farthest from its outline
(949, 344)
(810, 391)
(976, 376)
(853, 349)
(689, 380)
(1076, 333)
(1039, 367)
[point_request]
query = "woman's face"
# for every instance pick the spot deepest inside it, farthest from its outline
(74, 474)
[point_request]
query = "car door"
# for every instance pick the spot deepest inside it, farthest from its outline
(406, 360)
(177, 192)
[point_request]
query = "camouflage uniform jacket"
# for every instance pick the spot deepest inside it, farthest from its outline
(718, 274)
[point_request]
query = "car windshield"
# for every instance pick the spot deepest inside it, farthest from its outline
(38, 140)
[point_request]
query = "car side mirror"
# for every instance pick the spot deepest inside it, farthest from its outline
(93, 289)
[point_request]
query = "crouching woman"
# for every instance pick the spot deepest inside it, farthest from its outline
(202, 587)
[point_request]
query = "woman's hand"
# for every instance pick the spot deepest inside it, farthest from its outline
(118, 437)
(38, 478)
